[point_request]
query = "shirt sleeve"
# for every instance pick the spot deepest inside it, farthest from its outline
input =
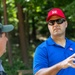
(40, 59)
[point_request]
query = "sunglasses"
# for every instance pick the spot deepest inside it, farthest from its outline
(58, 21)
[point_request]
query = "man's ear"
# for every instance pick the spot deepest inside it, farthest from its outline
(66, 24)
(48, 26)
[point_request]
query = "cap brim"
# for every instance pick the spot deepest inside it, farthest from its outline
(54, 15)
(7, 28)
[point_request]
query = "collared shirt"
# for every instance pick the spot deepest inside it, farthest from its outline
(49, 53)
(1, 67)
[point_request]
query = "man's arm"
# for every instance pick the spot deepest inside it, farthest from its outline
(57, 67)
(49, 71)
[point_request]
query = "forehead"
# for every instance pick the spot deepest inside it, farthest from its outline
(54, 17)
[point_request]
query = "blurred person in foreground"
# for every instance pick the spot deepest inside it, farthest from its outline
(3, 41)
(56, 55)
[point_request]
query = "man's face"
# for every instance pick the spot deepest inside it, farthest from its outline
(57, 26)
(3, 41)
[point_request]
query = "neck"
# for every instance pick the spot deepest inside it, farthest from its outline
(59, 40)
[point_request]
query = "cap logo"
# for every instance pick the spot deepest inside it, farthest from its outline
(54, 12)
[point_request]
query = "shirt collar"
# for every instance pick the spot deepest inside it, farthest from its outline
(50, 41)
(68, 42)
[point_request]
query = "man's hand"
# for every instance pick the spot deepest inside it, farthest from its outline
(69, 62)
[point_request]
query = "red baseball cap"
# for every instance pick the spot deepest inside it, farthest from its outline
(55, 11)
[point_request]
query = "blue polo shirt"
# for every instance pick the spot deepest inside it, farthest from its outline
(49, 53)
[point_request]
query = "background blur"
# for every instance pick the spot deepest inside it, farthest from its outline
(29, 20)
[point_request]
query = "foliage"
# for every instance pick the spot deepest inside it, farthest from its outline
(37, 11)
(70, 11)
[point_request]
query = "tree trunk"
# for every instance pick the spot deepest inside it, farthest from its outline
(8, 44)
(26, 28)
(22, 35)
(33, 30)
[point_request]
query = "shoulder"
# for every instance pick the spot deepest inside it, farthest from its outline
(46, 43)
(41, 48)
(43, 44)
(70, 41)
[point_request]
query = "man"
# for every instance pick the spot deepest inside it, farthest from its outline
(3, 41)
(55, 56)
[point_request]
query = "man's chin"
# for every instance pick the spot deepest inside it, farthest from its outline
(57, 34)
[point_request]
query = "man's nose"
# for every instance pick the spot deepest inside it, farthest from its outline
(55, 23)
